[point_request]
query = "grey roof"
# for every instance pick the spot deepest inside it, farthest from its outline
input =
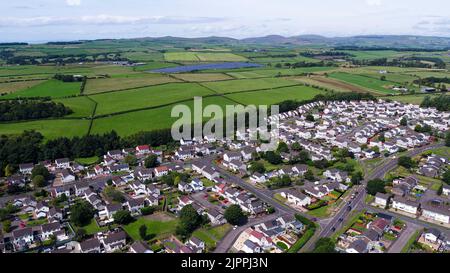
(140, 247)
(115, 237)
(90, 244)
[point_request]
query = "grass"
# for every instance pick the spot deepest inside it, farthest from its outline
(91, 228)
(211, 236)
(50, 88)
(95, 86)
(410, 242)
(11, 87)
(365, 82)
(38, 222)
(158, 228)
(50, 129)
(413, 99)
(302, 241)
(147, 97)
(355, 215)
(203, 57)
(274, 96)
(202, 77)
(278, 72)
(87, 160)
(146, 120)
(81, 106)
(226, 87)
(321, 212)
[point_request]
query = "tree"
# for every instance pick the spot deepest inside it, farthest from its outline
(9, 170)
(382, 138)
(143, 232)
(310, 117)
(446, 177)
(404, 122)
(357, 177)
(40, 170)
(406, 162)
(151, 161)
(39, 181)
(234, 215)
(447, 140)
(309, 175)
(273, 158)
(325, 245)
(296, 146)
(123, 217)
(81, 213)
(147, 210)
(440, 190)
(303, 157)
(189, 221)
(374, 186)
(383, 78)
(80, 234)
(131, 160)
(114, 194)
(282, 148)
(257, 167)
(7, 226)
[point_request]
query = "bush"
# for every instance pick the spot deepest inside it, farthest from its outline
(148, 210)
(234, 215)
(123, 217)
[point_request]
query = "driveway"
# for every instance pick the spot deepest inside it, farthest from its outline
(401, 241)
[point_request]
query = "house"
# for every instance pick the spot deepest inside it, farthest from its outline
(140, 247)
(23, 236)
(81, 187)
(26, 168)
(62, 163)
(151, 201)
(196, 185)
(153, 190)
(143, 149)
(196, 244)
(247, 153)
(65, 176)
(381, 199)
(228, 156)
(119, 168)
(210, 173)
(138, 188)
(446, 190)
(59, 191)
(214, 216)
(260, 239)
(135, 205)
(161, 171)
(184, 187)
(251, 247)
(258, 178)
(114, 241)
(438, 214)
(358, 246)
(116, 154)
(51, 229)
(297, 198)
(111, 209)
(403, 204)
(55, 215)
(90, 246)
(41, 210)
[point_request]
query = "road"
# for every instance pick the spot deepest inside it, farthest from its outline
(404, 237)
(357, 203)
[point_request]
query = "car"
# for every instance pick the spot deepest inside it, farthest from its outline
(333, 229)
(349, 208)
(340, 220)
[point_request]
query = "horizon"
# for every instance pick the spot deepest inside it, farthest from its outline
(69, 20)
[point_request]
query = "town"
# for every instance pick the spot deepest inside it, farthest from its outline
(352, 176)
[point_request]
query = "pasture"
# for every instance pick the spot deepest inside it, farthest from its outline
(232, 86)
(50, 88)
(50, 129)
(81, 106)
(371, 84)
(202, 77)
(203, 57)
(11, 87)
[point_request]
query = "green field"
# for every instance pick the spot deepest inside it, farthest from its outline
(278, 72)
(81, 106)
(211, 236)
(413, 99)
(202, 77)
(365, 82)
(11, 87)
(203, 57)
(49, 128)
(248, 84)
(269, 97)
(119, 83)
(147, 97)
(147, 120)
(157, 228)
(51, 88)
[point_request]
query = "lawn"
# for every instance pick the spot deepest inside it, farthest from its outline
(321, 212)
(92, 228)
(158, 228)
(81, 106)
(268, 97)
(146, 120)
(50, 88)
(94, 86)
(368, 83)
(413, 99)
(87, 160)
(410, 242)
(50, 129)
(226, 87)
(211, 236)
(147, 97)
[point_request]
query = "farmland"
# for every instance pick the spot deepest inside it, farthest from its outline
(138, 94)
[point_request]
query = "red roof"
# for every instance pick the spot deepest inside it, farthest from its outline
(143, 148)
(161, 169)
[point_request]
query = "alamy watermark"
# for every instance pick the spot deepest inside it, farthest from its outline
(236, 122)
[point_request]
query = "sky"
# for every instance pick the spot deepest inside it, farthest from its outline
(62, 20)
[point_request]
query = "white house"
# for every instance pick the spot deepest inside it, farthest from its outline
(381, 199)
(405, 205)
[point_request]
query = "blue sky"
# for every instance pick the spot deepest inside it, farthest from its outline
(44, 20)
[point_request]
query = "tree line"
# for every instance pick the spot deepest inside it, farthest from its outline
(441, 103)
(13, 110)
(403, 62)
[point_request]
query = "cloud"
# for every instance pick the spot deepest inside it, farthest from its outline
(434, 25)
(73, 2)
(103, 19)
(373, 3)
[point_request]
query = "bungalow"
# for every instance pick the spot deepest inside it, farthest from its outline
(135, 205)
(214, 216)
(184, 201)
(140, 247)
(358, 246)
(237, 166)
(119, 168)
(90, 246)
(251, 247)
(184, 187)
(26, 168)
(260, 239)
(229, 156)
(210, 173)
(196, 244)
(258, 178)
(297, 198)
(317, 192)
(405, 205)
(114, 241)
